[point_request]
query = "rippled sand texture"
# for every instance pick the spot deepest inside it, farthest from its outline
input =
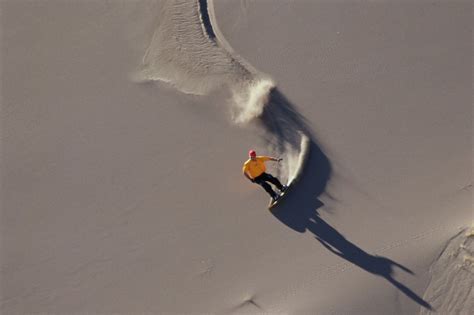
(189, 52)
(124, 126)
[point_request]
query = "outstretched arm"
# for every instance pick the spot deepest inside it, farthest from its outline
(325, 244)
(247, 175)
(269, 158)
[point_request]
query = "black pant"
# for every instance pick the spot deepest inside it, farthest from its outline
(262, 181)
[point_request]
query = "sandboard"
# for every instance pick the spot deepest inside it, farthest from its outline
(273, 204)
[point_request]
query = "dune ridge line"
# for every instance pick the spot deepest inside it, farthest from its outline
(189, 52)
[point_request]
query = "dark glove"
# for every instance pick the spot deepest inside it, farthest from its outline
(279, 159)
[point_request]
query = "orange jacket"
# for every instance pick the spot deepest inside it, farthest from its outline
(255, 168)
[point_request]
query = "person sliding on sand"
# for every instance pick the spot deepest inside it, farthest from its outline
(254, 169)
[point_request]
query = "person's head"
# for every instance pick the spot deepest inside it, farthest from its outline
(252, 154)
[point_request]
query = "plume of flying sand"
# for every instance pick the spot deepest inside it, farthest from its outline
(183, 54)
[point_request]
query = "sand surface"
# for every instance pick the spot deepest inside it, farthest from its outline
(450, 289)
(126, 197)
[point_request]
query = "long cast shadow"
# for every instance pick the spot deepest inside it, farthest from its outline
(307, 218)
(299, 210)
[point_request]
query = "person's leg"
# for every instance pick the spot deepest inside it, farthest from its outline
(268, 188)
(273, 180)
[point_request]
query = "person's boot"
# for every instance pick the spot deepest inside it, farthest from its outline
(275, 197)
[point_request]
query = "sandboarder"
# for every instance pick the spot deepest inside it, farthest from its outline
(254, 169)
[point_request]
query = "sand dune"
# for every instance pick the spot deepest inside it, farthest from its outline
(450, 288)
(125, 125)
(189, 52)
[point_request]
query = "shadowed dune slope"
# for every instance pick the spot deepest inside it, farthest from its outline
(121, 188)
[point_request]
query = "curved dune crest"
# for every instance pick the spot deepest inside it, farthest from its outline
(182, 53)
(121, 197)
(189, 52)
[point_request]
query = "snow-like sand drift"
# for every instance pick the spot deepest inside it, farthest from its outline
(125, 198)
(189, 52)
(452, 277)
